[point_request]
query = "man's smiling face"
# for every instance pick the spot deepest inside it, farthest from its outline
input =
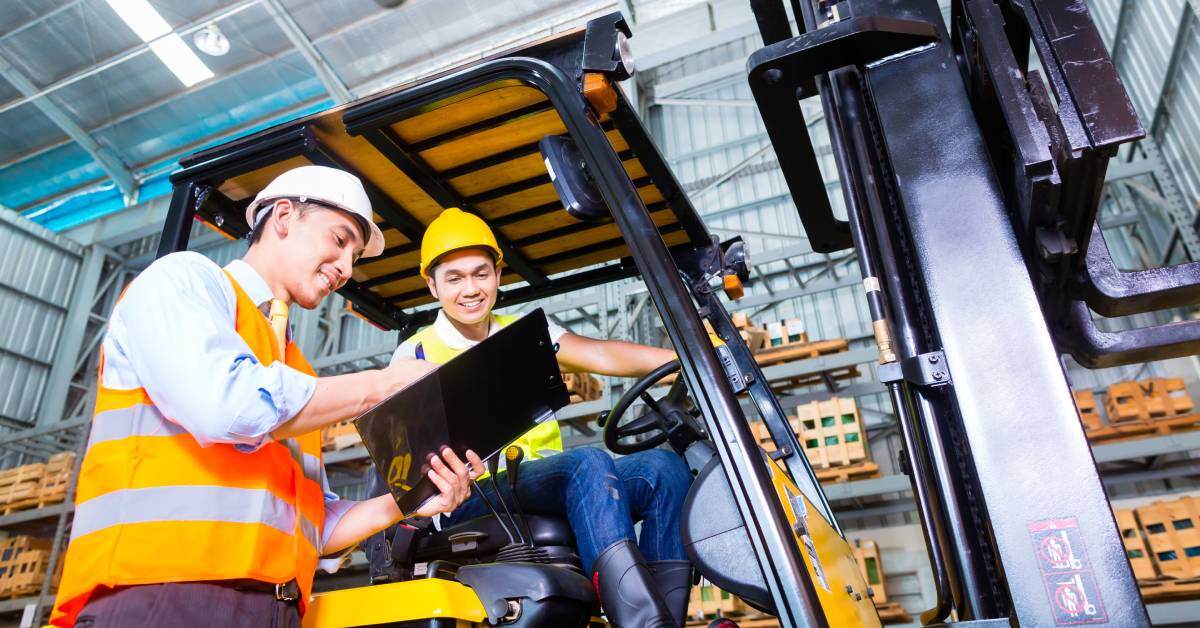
(466, 283)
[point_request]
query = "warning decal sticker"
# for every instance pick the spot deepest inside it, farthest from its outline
(1066, 572)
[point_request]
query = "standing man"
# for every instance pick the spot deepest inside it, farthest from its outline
(202, 500)
(641, 583)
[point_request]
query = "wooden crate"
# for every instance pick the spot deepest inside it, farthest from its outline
(754, 337)
(831, 433)
(339, 436)
(582, 386)
(708, 601)
(786, 332)
(866, 554)
(1173, 536)
(1089, 413)
(1135, 544)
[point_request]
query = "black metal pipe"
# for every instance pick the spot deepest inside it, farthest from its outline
(178, 227)
(845, 127)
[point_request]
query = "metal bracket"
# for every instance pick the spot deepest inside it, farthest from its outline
(927, 369)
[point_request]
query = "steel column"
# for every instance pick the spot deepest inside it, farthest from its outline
(70, 341)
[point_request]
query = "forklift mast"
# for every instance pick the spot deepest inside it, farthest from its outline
(971, 183)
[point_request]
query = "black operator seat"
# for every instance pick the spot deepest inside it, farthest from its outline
(479, 540)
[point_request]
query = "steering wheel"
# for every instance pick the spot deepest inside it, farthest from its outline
(654, 421)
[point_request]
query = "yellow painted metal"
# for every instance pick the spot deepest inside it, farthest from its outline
(829, 558)
(431, 598)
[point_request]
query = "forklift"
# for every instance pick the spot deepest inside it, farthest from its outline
(971, 178)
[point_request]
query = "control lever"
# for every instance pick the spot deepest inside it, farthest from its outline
(514, 455)
(479, 491)
(493, 469)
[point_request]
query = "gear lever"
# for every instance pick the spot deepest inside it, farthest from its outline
(513, 456)
(493, 468)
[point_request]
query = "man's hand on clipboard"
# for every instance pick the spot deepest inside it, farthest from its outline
(453, 480)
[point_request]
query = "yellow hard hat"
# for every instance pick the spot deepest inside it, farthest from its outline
(454, 230)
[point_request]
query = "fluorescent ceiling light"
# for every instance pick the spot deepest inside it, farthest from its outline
(169, 46)
(181, 60)
(142, 18)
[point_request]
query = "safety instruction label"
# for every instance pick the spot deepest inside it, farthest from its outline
(1070, 582)
(800, 510)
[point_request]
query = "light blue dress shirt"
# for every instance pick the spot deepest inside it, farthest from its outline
(173, 333)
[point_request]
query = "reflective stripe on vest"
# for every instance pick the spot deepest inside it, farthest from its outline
(153, 506)
(543, 440)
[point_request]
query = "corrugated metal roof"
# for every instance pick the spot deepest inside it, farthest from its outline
(87, 62)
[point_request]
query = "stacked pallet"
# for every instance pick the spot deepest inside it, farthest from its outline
(833, 438)
(53, 487)
(23, 564)
(1162, 542)
(19, 486)
(866, 554)
(339, 436)
(1136, 409)
(583, 386)
(1154, 398)
(806, 350)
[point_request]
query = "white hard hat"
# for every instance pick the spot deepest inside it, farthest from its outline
(324, 186)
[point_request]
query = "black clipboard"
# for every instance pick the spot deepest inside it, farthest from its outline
(481, 400)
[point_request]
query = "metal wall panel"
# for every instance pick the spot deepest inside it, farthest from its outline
(37, 274)
(1144, 51)
(1179, 130)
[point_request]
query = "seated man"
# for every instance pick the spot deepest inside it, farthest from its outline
(642, 584)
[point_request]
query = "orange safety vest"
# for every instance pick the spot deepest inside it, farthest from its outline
(154, 506)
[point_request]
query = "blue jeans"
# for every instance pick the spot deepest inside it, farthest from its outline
(601, 498)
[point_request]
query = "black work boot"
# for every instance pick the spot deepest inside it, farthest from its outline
(674, 581)
(627, 589)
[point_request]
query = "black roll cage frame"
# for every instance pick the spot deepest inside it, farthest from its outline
(678, 281)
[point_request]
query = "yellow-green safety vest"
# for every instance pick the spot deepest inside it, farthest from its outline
(543, 440)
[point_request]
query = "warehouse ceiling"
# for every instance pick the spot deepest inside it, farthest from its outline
(99, 98)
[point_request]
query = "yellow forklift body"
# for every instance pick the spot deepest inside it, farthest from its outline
(430, 598)
(830, 560)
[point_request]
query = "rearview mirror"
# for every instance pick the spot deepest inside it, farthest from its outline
(571, 179)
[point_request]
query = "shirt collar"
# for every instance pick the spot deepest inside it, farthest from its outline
(251, 282)
(454, 338)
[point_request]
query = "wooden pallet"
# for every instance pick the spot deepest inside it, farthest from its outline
(857, 471)
(23, 563)
(19, 486)
(800, 351)
(892, 613)
(53, 487)
(1163, 426)
(1169, 589)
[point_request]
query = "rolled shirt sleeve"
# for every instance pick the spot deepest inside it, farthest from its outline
(173, 334)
